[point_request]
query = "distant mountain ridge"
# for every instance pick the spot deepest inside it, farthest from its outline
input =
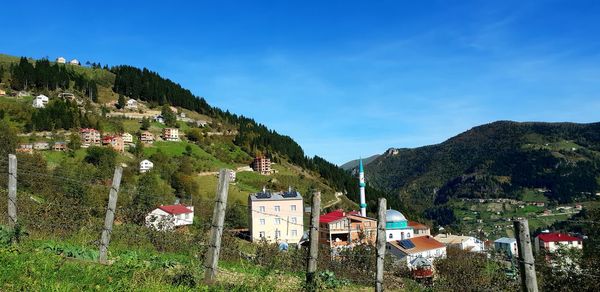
(500, 159)
(354, 163)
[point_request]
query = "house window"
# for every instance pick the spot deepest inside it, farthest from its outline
(293, 219)
(261, 221)
(261, 209)
(277, 233)
(293, 207)
(277, 208)
(261, 234)
(408, 235)
(294, 232)
(391, 235)
(277, 221)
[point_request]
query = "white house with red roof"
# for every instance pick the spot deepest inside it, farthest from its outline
(169, 217)
(550, 242)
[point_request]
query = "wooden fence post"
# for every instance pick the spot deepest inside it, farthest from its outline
(311, 267)
(110, 215)
(381, 242)
(12, 190)
(212, 255)
(525, 258)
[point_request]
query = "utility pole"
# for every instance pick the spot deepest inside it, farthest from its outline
(525, 258)
(381, 242)
(110, 215)
(12, 191)
(212, 256)
(311, 267)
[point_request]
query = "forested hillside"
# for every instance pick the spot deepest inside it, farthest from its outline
(498, 160)
(101, 87)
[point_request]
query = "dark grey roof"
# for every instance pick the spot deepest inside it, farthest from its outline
(279, 196)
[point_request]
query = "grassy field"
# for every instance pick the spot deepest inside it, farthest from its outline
(32, 266)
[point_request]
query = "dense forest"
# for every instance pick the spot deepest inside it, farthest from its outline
(42, 75)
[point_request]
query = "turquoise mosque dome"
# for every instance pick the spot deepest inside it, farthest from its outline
(395, 220)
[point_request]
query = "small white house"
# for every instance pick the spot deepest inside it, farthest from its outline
(160, 119)
(74, 62)
(131, 104)
(61, 60)
(170, 217)
(146, 165)
(127, 138)
(40, 101)
(468, 243)
(506, 245)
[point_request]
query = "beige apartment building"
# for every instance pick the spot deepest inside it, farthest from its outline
(171, 134)
(90, 137)
(276, 216)
(262, 165)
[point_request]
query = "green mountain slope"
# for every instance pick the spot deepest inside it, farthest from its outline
(354, 163)
(502, 159)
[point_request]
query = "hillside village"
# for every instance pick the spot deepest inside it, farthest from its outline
(171, 156)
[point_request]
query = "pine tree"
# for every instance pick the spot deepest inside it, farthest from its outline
(121, 102)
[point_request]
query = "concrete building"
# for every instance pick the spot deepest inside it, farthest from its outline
(170, 217)
(61, 60)
(468, 243)
(276, 216)
(262, 165)
(59, 146)
(116, 142)
(89, 137)
(127, 138)
(171, 134)
(410, 251)
(74, 62)
(419, 229)
(147, 137)
(396, 226)
(131, 104)
(40, 101)
(146, 165)
(506, 245)
(346, 229)
(550, 242)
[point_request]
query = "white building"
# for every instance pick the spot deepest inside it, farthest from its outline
(61, 60)
(127, 138)
(468, 243)
(409, 251)
(506, 245)
(396, 226)
(40, 101)
(276, 216)
(146, 165)
(550, 242)
(160, 119)
(131, 104)
(169, 217)
(74, 62)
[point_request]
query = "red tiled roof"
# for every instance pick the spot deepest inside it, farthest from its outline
(556, 237)
(331, 216)
(176, 209)
(417, 225)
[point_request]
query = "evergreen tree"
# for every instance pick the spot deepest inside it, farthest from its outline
(74, 141)
(169, 116)
(121, 102)
(145, 124)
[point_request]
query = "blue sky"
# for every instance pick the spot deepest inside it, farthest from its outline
(343, 78)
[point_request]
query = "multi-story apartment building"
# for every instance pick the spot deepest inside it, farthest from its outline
(276, 216)
(147, 137)
(116, 142)
(171, 134)
(339, 229)
(89, 137)
(262, 165)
